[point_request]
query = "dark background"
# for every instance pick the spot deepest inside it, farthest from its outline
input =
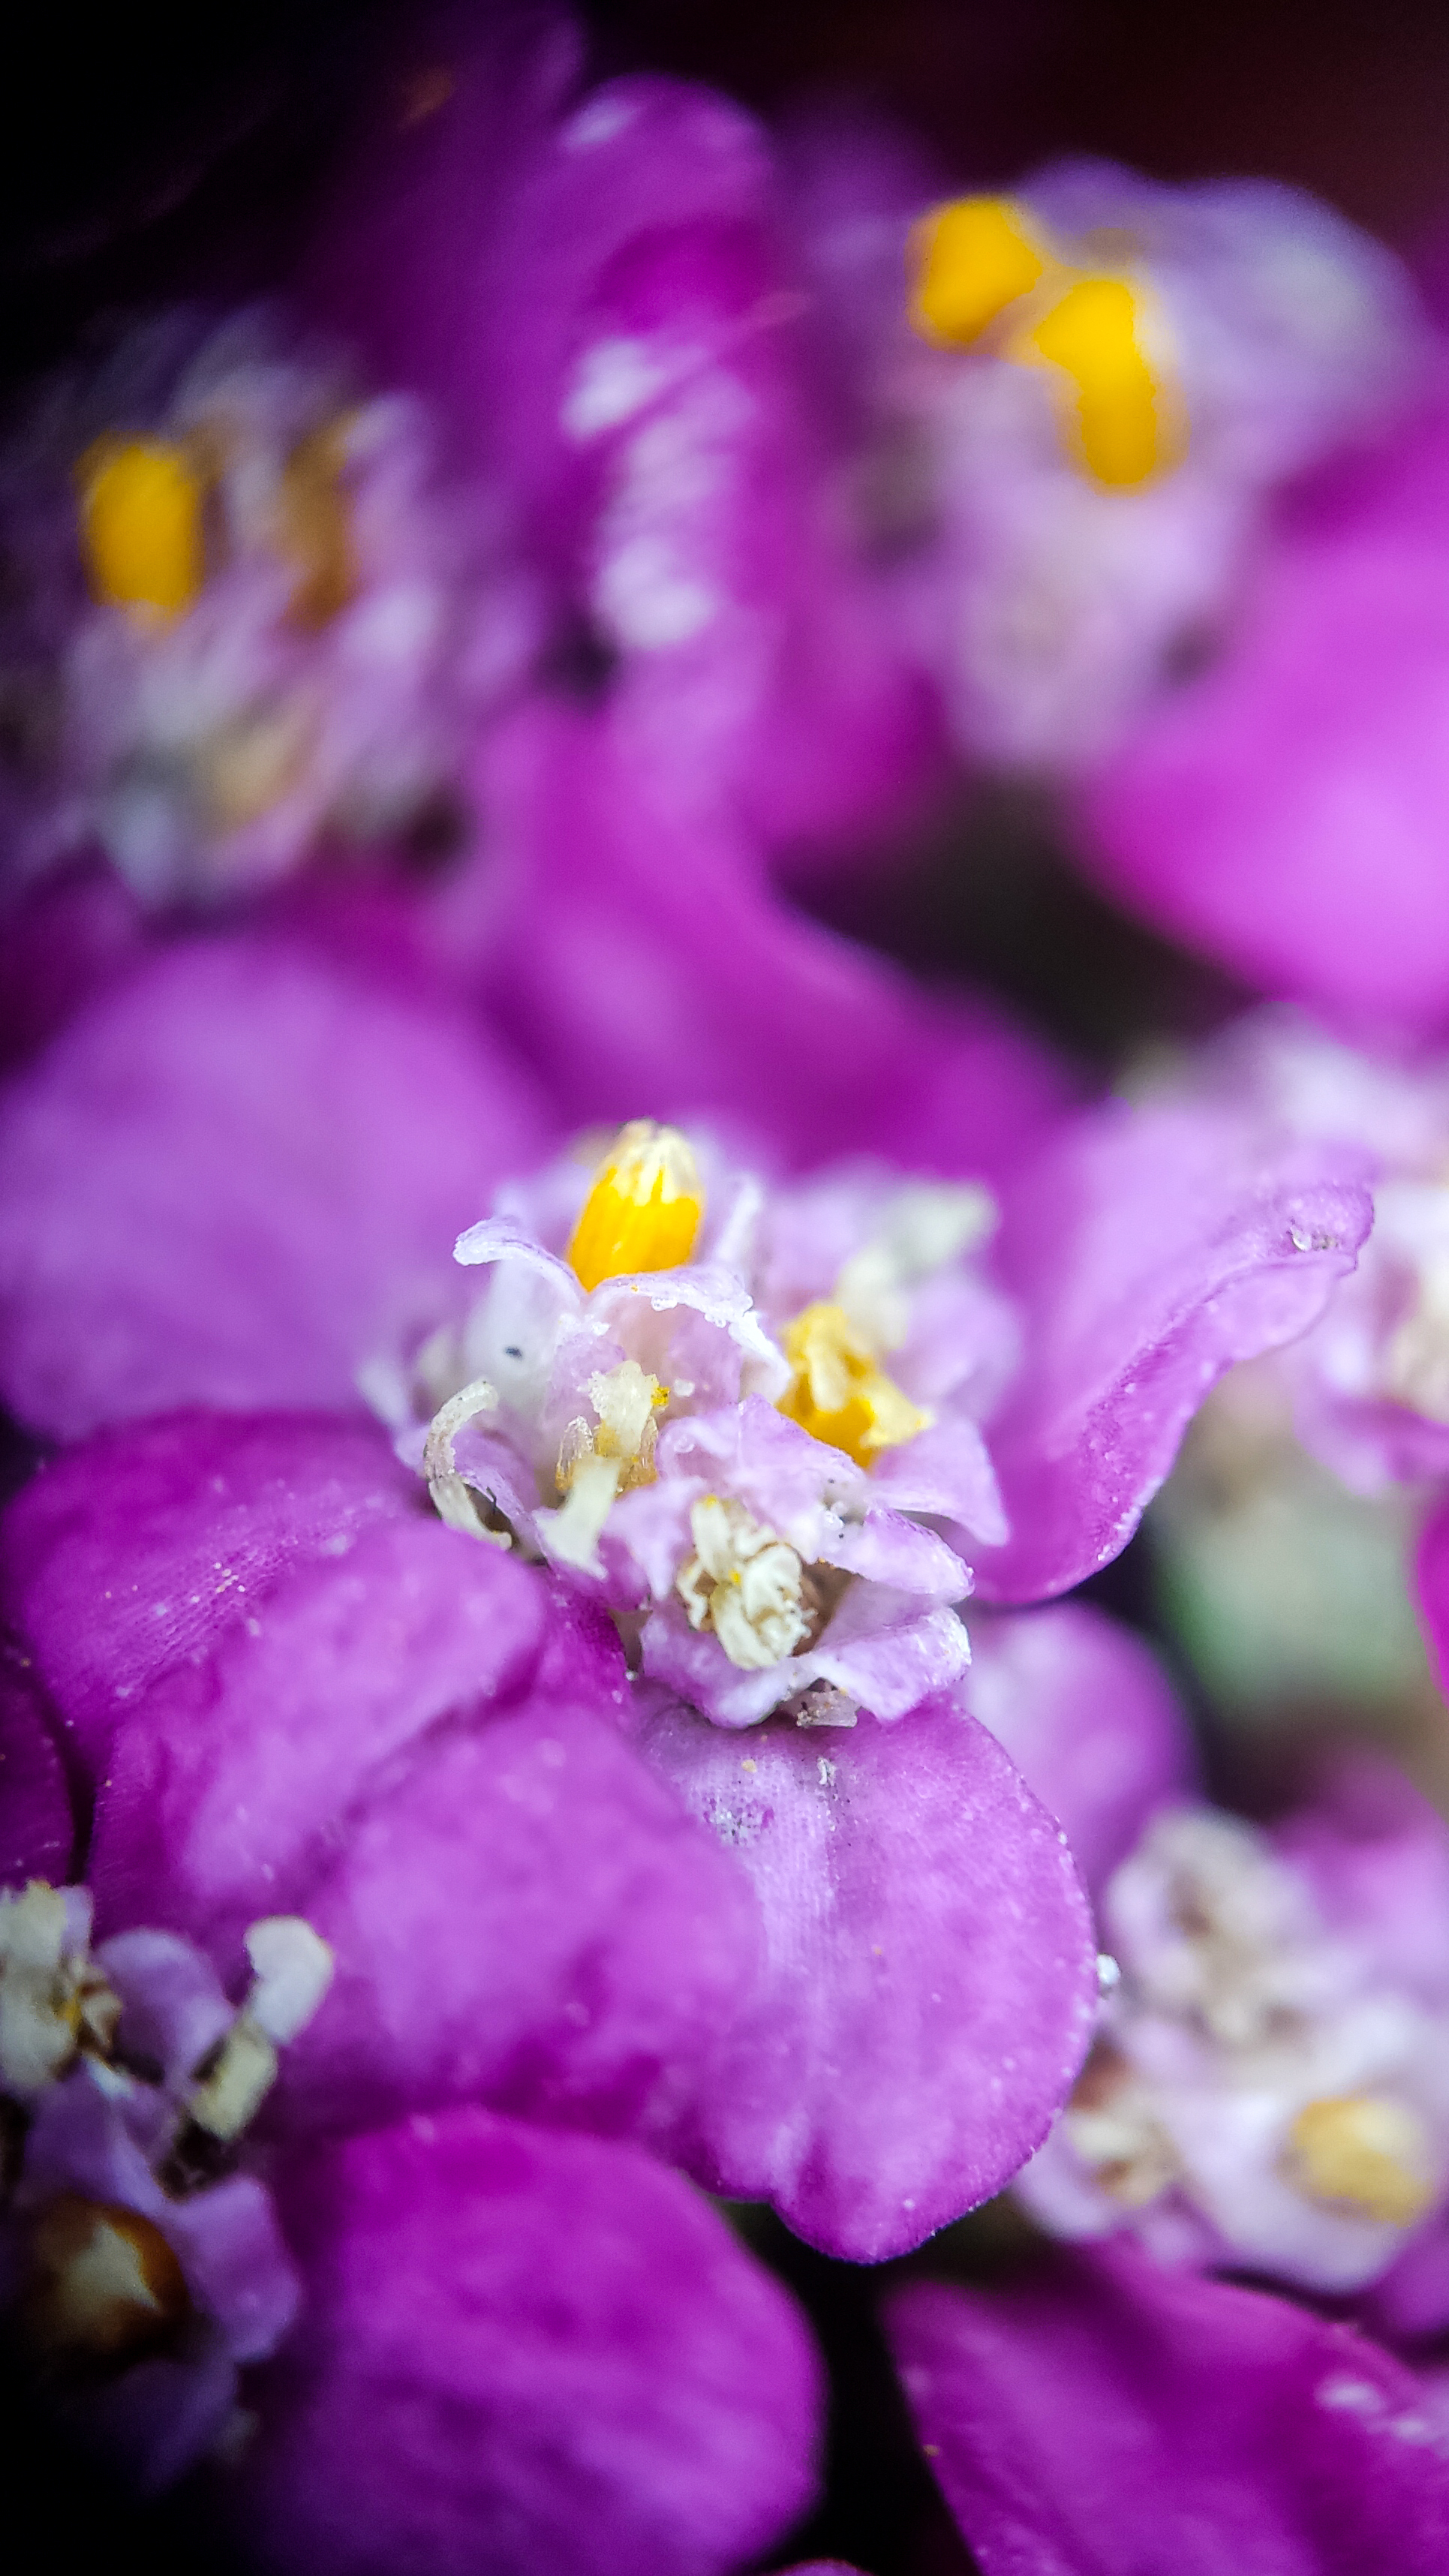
(146, 154)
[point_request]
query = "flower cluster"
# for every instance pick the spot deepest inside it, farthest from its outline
(559, 1410)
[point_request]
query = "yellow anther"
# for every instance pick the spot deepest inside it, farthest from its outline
(140, 525)
(968, 261)
(1361, 2152)
(645, 1208)
(839, 1393)
(104, 2283)
(1124, 416)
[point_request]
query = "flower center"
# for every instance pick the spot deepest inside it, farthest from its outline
(978, 267)
(104, 2284)
(314, 525)
(644, 1210)
(141, 531)
(1359, 2152)
(839, 1394)
(745, 1583)
(51, 1997)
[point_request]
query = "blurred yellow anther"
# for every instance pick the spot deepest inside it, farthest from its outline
(839, 1393)
(1123, 418)
(645, 1208)
(314, 525)
(968, 261)
(1359, 2151)
(141, 525)
(104, 2282)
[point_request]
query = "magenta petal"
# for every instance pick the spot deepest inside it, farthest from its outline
(37, 1829)
(526, 1916)
(1104, 2413)
(930, 1988)
(1433, 1590)
(1149, 1249)
(143, 1547)
(1090, 1720)
(1284, 812)
(233, 1180)
(225, 1785)
(666, 977)
(525, 2352)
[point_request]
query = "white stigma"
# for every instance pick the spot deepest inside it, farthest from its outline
(743, 1582)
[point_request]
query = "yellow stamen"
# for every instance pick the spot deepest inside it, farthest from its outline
(644, 1210)
(1123, 417)
(141, 529)
(840, 1394)
(968, 261)
(1364, 2153)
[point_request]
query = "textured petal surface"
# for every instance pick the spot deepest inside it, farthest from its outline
(1105, 2415)
(234, 1179)
(526, 2352)
(1150, 1250)
(410, 1746)
(930, 1982)
(144, 1546)
(1090, 1720)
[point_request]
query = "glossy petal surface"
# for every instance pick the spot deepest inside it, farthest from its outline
(930, 1981)
(1103, 2414)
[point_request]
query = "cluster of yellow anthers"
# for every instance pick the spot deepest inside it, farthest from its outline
(985, 275)
(149, 537)
(644, 1213)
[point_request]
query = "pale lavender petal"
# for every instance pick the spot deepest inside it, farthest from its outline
(1150, 1250)
(1100, 2411)
(1090, 1720)
(173, 2005)
(237, 2268)
(195, 1213)
(931, 1980)
(523, 2351)
(946, 1471)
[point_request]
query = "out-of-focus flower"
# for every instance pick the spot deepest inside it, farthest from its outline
(1269, 2087)
(858, 1982)
(1283, 810)
(139, 2267)
(1089, 1717)
(599, 286)
(1072, 410)
(1100, 2411)
(267, 625)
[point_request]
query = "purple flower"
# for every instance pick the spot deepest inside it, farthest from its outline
(599, 286)
(274, 626)
(1074, 403)
(1283, 810)
(1268, 2089)
(1098, 2411)
(858, 1981)
(37, 1829)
